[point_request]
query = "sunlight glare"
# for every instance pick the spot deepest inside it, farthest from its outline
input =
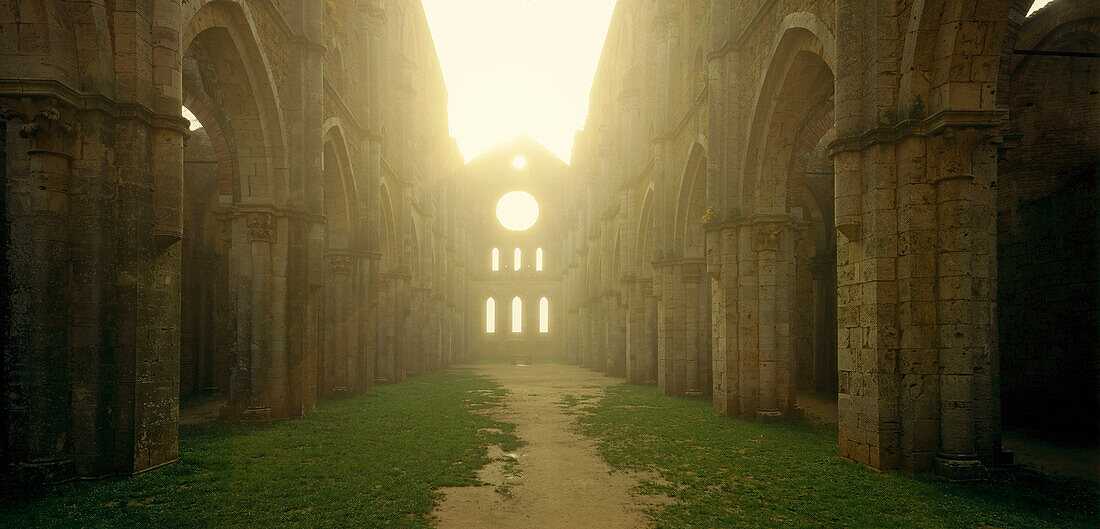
(518, 66)
(517, 211)
(1039, 4)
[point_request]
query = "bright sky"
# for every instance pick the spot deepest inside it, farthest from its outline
(1039, 4)
(518, 66)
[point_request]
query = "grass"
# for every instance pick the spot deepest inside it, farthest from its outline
(375, 460)
(728, 473)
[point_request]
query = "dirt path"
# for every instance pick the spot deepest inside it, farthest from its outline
(561, 482)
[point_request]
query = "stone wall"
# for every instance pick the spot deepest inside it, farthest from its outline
(144, 261)
(1048, 228)
(849, 185)
(488, 178)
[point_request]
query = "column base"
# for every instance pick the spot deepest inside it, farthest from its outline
(769, 415)
(381, 380)
(960, 469)
(43, 472)
(262, 414)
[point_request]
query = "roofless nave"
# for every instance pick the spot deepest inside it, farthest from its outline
(894, 202)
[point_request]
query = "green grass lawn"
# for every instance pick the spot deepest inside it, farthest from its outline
(375, 460)
(728, 473)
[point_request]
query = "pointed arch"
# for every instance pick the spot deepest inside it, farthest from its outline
(490, 316)
(226, 33)
(517, 260)
(799, 74)
(544, 315)
(496, 260)
(938, 42)
(538, 260)
(388, 237)
(340, 202)
(691, 203)
(517, 315)
(644, 243)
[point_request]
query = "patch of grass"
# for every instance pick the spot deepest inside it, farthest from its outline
(731, 473)
(510, 470)
(375, 460)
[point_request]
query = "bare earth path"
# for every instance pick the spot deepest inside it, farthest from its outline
(562, 481)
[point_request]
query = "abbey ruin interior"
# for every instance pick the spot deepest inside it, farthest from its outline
(890, 205)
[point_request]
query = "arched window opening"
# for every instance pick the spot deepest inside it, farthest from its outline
(538, 260)
(496, 259)
(517, 315)
(518, 260)
(544, 315)
(490, 316)
(190, 116)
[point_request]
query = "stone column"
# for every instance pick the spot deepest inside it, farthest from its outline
(649, 343)
(722, 240)
(384, 328)
(773, 245)
(635, 332)
(965, 274)
(340, 326)
(696, 308)
(262, 373)
(38, 291)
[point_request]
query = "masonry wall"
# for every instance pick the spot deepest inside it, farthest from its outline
(487, 178)
(1048, 220)
(144, 261)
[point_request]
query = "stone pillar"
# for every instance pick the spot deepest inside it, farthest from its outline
(261, 372)
(649, 346)
(366, 314)
(384, 329)
(339, 327)
(635, 332)
(966, 275)
(722, 240)
(37, 216)
(696, 308)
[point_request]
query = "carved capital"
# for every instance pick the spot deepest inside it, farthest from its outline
(765, 237)
(261, 227)
(48, 124)
(340, 264)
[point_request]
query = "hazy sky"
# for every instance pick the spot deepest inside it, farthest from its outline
(1039, 4)
(518, 66)
(515, 66)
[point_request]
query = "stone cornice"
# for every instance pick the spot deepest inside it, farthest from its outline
(932, 125)
(24, 88)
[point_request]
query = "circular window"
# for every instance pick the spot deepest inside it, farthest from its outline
(519, 162)
(517, 211)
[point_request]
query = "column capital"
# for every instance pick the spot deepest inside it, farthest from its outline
(261, 227)
(48, 123)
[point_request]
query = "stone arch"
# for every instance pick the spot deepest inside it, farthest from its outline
(387, 226)
(691, 203)
(225, 34)
(798, 76)
(1083, 30)
(341, 195)
(946, 58)
(645, 235)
